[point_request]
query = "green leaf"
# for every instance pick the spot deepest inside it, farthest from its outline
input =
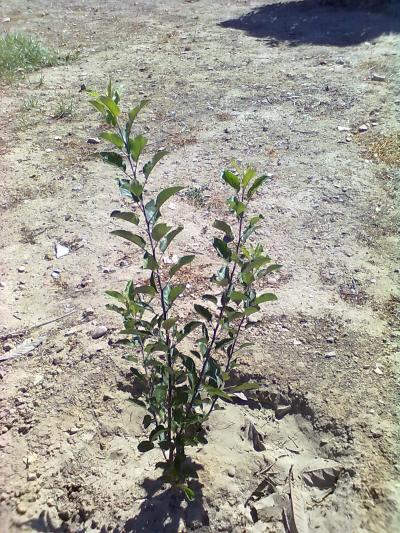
(158, 346)
(252, 226)
(247, 278)
(133, 187)
(133, 113)
(149, 166)
(256, 263)
(172, 293)
(257, 183)
(266, 297)
(113, 138)
(268, 270)
(166, 241)
(222, 276)
(234, 315)
(147, 420)
(185, 260)
(110, 105)
(237, 296)
(145, 446)
(203, 311)
(136, 188)
(129, 217)
(145, 289)
(169, 323)
(116, 309)
(236, 206)
(189, 327)
(251, 310)
(249, 231)
(165, 194)
(114, 159)
(210, 298)
(222, 248)
(150, 263)
(216, 392)
(136, 239)
(190, 495)
(117, 295)
(223, 226)
(157, 432)
(248, 176)
(152, 212)
(159, 231)
(255, 219)
(160, 392)
(231, 179)
(244, 386)
(223, 342)
(136, 146)
(98, 105)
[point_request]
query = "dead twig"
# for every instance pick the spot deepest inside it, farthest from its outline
(16, 334)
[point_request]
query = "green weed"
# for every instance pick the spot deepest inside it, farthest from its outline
(64, 107)
(30, 103)
(20, 53)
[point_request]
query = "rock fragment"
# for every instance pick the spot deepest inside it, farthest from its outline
(61, 250)
(99, 332)
(21, 508)
(378, 77)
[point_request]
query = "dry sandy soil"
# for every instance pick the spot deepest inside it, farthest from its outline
(267, 86)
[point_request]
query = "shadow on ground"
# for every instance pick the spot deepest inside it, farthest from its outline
(167, 511)
(163, 510)
(301, 22)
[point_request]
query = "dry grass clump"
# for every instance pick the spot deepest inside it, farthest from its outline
(386, 148)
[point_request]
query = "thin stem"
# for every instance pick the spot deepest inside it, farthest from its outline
(162, 298)
(225, 294)
(231, 351)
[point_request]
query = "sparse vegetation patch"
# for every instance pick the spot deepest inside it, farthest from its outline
(20, 53)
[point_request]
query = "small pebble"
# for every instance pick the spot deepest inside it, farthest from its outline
(31, 476)
(100, 331)
(55, 274)
(231, 471)
(88, 312)
(63, 514)
(21, 269)
(21, 508)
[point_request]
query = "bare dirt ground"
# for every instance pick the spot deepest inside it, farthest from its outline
(267, 86)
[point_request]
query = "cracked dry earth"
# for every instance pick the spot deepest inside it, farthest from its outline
(225, 79)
